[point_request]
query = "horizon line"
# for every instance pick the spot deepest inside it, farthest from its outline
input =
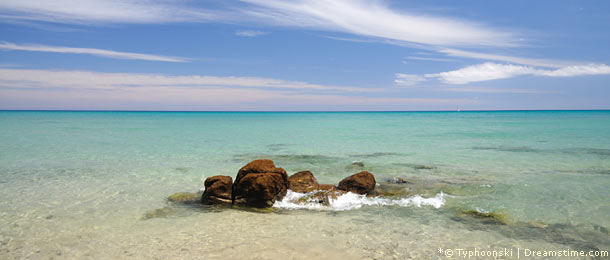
(297, 111)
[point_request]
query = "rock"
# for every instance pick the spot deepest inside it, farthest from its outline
(398, 180)
(357, 164)
(217, 190)
(327, 187)
(485, 217)
(259, 184)
(302, 182)
(360, 183)
(185, 197)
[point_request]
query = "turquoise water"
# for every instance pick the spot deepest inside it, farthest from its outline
(76, 184)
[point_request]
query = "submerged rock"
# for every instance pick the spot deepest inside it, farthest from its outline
(218, 190)
(159, 213)
(390, 189)
(302, 182)
(357, 164)
(485, 217)
(259, 184)
(360, 183)
(416, 166)
(185, 197)
(398, 180)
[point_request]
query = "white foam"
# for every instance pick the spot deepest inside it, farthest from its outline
(351, 201)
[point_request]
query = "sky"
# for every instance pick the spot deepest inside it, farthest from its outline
(304, 55)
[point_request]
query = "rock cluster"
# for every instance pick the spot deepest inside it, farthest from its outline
(259, 184)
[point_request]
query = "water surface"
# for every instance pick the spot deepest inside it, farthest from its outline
(76, 185)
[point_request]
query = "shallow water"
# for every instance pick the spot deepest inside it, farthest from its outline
(76, 185)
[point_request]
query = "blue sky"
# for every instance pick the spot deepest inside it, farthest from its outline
(304, 55)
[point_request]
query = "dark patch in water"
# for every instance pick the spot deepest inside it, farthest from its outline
(372, 155)
(416, 166)
(516, 149)
(590, 171)
(603, 152)
(183, 169)
(287, 158)
(276, 147)
(601, 229)
(159, 213)
(590, 151)
(580, 237)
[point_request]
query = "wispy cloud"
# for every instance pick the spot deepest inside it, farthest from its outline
(408, 79)
(376, 19)
(100, 80)
(90, 51)
(105, 11)
(518, 60)
(249, 33)
(428, 59)
(372, 18)
(488, 90)
(53, 89)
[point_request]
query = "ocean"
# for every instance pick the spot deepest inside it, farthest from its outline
(93, 185)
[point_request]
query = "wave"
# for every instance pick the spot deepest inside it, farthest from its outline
(350, 201)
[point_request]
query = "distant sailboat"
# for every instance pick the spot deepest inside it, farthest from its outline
(457, 108)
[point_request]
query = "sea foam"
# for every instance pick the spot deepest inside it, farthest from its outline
(350, 201)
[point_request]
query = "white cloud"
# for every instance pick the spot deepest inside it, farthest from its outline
(90, 51)
(518, 60)
(249, 33)
(53, 89)
(369, 18)
(375, 19)
(578, 70)
(482, 72)
(408, 79)
(491, 71)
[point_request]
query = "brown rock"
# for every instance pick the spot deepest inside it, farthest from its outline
(302, 182)
(259, 184)
(360, 183)
(259, 166)
(218, 190)
(327, 187)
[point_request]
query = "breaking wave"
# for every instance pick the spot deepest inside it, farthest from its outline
(350, 201)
